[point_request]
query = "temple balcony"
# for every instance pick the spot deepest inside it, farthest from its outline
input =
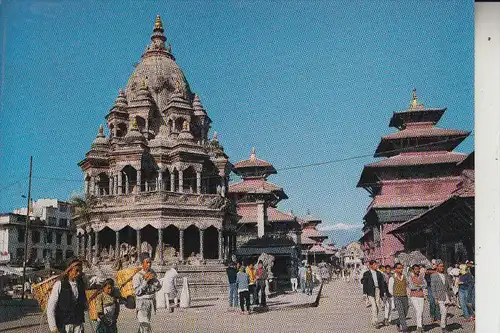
(162, 197)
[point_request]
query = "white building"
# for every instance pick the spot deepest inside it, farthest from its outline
(50, 236)
(54, 212)
(352, 255)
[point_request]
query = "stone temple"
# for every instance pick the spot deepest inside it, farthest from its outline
(157, 181)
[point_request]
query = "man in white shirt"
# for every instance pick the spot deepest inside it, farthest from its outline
(374, 286)
(67, 302)
(440, 286)
(168, 290)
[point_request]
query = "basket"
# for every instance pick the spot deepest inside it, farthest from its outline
(41, 291)
(123, 280)
(91, 299)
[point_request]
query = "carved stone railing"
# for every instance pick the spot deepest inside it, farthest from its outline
(210, 201)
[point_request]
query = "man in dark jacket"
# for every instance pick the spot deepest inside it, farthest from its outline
(374, 286)
(261, 284)
(67, 301)
(232, 271)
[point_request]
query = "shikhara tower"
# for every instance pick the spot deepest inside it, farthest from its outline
(419, 172)
(157, 180)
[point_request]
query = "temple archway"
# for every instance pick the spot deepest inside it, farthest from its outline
(211, 243)
(103, 183)
(189, 180)
(121, 130)
(128, 235)
(191, 241)
(166, 180)
(129, 179)
(149, 234)
(149, 180)
(107, 238)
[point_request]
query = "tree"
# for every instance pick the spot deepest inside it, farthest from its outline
(83, 207)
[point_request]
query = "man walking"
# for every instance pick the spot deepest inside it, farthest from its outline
(302, 277)
(388, 300)
(417, 285)
(440, 286)
(293, 277)
(232, 271)
(433, 306)
(374, 287)
(261, 284)
(145, 285)
(397, 288)
(67, 302)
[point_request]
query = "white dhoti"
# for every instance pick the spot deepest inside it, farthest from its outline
(71, 328)
(144, 309)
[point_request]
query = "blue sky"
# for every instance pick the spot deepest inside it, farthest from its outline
(303, 82)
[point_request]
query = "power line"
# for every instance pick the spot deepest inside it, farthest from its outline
(12, 184)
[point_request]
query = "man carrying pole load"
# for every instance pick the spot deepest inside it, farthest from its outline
(145, 285)
(67, 302)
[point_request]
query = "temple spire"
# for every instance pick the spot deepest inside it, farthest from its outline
(414, 101)
(158, 38)
(158, 23)
(253, 156)
(100, 134)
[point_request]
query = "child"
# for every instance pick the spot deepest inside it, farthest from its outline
(242, 282)
(309, 280)
(108, 308)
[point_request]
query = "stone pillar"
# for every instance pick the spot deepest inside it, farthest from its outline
(160, 181)
(120, 189)
(96, 233)
(138, 245)
(181, 181)
(117, 244)
(260, 219)
(160, 246)
(97, 193)
(89, 246)
(172, 182)
(116, 184)
(138, 184)
(220, 244)
(80, 247)
(92, 186)
(111, 185)
(86, 187)
(201, 243)
(181, 244)
(198, 182)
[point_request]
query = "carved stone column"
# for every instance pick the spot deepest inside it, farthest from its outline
(111, 185)
(86, 187)
(181, 181)
(160, 246)
(120, 189)
(181, 244)
(138, 184)
(160, 181)
(96, 244)
(138, 245)
(198, 182)
(201, 244)
(172, 182)
(89, 246)
(117, 244)
(220, 244)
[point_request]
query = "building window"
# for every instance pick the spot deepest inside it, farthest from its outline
(47, 253)
(49, 237)
(59, 255)
(69, 239)
(52, 220)
(20, 253)
(69, 254)
(20, 235)
(63, 208)
(58, 238)
(35, 236)
(63, 222)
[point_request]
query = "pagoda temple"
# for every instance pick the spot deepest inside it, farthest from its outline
(312, 240)
(262, 227)
(156, 183)
(419, 172)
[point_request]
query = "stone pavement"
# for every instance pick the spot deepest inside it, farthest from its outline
(341, 309)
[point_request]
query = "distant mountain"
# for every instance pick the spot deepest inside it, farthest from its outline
(341, 234)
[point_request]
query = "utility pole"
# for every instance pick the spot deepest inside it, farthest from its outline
(26, 230)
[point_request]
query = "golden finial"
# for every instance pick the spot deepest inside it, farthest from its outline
(158, 24)
(414, 101)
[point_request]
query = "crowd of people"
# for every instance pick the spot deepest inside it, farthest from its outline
(395, 288)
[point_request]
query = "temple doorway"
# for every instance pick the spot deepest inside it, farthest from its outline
(128, 235)
(211, 243)
(149, 235)
(191, 241)
(107, 238)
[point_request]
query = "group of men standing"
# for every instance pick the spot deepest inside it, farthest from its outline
(396, 290)
(245, 284)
